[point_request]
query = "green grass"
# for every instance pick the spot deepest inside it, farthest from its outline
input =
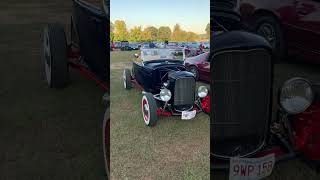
(173, 149)
(44, 133)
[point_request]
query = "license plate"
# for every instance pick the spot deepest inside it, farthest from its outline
(187, 115)
(251, 168)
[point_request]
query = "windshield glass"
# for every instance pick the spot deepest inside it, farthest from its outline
(158, 54)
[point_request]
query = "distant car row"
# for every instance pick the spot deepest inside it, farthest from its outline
(126, 46)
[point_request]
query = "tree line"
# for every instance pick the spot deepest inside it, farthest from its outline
(119, 32)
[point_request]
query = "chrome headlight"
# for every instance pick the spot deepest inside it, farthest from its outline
(165, 95)
(202, 91)
(296, 95)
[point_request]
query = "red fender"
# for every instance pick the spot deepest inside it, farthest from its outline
(306, 128)
(205, 104)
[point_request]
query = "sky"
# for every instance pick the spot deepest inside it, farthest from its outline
(192, 15)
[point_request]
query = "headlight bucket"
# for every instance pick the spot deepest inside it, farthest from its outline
(202, 91)
(296, 95)
(165, 94)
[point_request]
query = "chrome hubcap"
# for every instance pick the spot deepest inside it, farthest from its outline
(267, 31)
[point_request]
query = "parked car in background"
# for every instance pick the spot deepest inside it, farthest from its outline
(199, 66)
(116, 45)
(148, 45)
(125, 46)
(183, 44)
(193, 49)
(206, 45)
(160, 45)
(292, 27)
(134, 46)
(173, 44)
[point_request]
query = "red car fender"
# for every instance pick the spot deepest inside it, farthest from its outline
(205, 104)
(306, 128)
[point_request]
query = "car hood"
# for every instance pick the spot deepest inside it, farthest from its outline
(192, 60)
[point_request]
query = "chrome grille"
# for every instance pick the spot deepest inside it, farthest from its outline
(184, 93)
(241, 97)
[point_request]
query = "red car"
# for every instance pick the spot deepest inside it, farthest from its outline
(199, 66)
(291, 26)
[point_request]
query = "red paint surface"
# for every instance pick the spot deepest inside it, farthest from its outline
(306, 128)
(299, 18)
(205, 104)
(161, 112)
(202, 63)
(89, 75)
(74, 54)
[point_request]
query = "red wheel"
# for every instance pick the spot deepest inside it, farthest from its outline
(149, 109)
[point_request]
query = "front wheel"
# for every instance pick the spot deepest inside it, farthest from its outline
(269, 28)
(127, 79)
(106, 141)
(149, 109)
(55, 56)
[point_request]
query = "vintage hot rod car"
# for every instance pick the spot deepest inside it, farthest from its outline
(168, 88)
(244, 137)
(87, 51)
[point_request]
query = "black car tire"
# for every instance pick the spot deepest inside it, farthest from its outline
(270, 28)
(127, 79)
(149, 109)
(55, 56)
(106, 142)
(195, 72)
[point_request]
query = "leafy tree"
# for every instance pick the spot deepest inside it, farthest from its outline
(111, 31)
(177, 33)
(208, 30)
(150, 33)
(135, 34)
(190, 36)
(120, 31)
(164, 33)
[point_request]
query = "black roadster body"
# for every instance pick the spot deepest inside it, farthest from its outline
(168, 88)
(86, 51)
(152, 75)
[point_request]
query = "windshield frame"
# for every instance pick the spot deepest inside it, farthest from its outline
(144, 59)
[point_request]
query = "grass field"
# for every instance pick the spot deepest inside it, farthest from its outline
(44, 133)
(173, 149)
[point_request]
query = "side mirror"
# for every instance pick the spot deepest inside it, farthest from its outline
(136, 55)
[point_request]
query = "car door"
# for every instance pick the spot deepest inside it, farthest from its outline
(143, 75)
(91, 25)
(307, 26)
